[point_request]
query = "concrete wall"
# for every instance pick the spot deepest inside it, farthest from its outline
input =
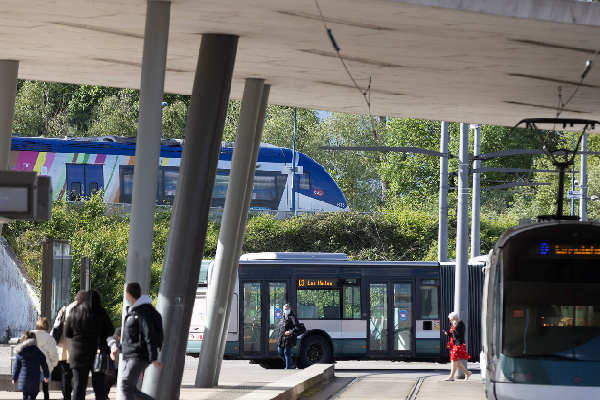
(19, 299)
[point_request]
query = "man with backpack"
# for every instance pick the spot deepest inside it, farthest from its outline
(289, 330)
(141, 339)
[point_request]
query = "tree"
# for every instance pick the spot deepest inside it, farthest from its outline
(116, 115)
(174, 117)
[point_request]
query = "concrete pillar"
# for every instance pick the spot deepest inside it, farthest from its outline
(584, 180)
(249, 189)
(189, 220)
(227, 255)
(461, 277)
(443, 201)
(476, 203)
(8, 91)
(147, 152)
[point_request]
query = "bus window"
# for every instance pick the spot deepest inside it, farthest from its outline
(429, 299)
(352, 299)
(318, 303)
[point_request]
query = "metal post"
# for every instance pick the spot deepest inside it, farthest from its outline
(475, 207)
(85, 274)
(189, 221)
(8, 89)
(584, 180)
(227, 257)
(573, 181)
(249, 190)
(147, 151)
(443, 201)
(293, 185)
(461, 278)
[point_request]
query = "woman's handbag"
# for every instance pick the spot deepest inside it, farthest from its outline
(103, 364)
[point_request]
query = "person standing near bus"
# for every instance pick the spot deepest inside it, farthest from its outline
(457, 346)
(288, 328)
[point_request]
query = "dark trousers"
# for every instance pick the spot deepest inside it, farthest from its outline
(66, 376)
(45, 390)
(285, 352)
(131, 374)
(80, 379)
(29, 396)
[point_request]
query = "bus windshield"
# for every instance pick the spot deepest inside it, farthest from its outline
(551, 302)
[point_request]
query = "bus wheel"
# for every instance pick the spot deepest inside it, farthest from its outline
(315, 350)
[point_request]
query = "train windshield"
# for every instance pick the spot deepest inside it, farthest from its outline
(552, 295)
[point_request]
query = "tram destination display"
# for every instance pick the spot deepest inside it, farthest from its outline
(317, 283)
(549, 249)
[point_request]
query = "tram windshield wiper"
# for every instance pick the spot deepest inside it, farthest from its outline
(547, 357)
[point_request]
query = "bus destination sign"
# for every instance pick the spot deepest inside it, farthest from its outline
(317, 283)
(555, 249)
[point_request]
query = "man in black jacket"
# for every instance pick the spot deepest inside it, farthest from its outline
(140, 341)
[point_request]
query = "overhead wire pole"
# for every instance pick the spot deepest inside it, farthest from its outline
(443, 199)
(476, 199)
(227, 256)
(584, 179)
(189, 220)
(461, 277)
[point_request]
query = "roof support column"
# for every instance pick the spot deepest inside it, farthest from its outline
(461, 277)
(476, 200)
(147, 152)
(443, 201)
(8, 88)
(248, 197)
(584, 180)
(189, 220)
(233, 229)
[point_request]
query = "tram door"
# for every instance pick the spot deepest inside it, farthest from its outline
(262, 309)
(391, 319)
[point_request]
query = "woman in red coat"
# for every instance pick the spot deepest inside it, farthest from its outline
(457, 346)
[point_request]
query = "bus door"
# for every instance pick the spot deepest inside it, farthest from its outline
(261, 310)
(391, 319)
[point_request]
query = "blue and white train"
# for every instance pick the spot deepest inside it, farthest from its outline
(80, 167)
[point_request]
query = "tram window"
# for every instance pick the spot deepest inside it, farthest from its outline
(93, 187)
(304, 181)
(429, 299)
(351, 302)
(126, 184)
(318, 304)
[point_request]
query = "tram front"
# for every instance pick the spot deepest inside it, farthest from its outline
(542, 317)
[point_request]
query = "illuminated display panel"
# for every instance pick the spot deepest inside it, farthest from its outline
(317, 283)
(560, 249)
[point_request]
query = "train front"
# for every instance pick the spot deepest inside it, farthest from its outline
(542, 317)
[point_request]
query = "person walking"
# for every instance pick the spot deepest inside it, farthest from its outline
(141, 340)
(63, 347)
(28, 363)
(457, 346)
(288, 331)
(88, 325)
(47, 345)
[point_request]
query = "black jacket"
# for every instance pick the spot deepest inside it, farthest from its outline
(458, 335)
(288, 324)
(142, 334)
(26, 370)
(88, 331)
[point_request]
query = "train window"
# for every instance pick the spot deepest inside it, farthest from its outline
(93, 187)
(352, 301)
(318, 303)
(169, 181)
(126, 183)
(75, 192)
(304, 181)
(429, 299)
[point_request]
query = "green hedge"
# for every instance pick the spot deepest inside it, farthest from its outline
(389, 235)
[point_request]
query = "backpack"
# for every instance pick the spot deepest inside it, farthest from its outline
(155, 324)
(59, 323)
(300, 329)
